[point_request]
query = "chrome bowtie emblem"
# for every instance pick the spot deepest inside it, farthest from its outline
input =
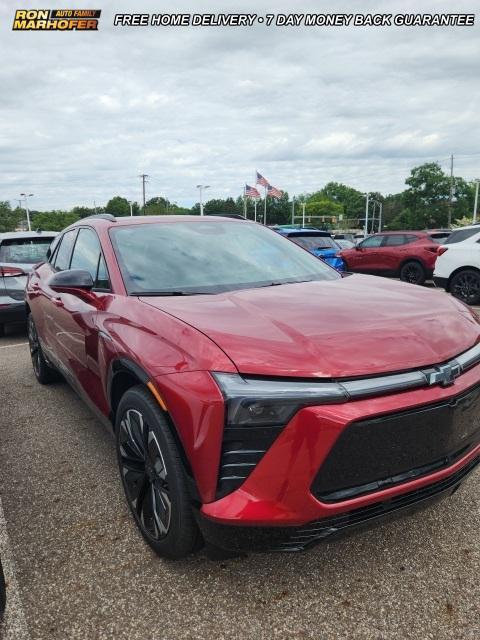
(444, 375)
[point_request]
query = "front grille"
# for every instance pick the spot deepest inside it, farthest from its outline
(316, 531)
(375, 454)
(242, 449)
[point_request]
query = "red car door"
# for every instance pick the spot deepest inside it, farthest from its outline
(364, 258)
(75, 316)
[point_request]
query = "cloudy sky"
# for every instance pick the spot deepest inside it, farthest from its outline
(82, 114)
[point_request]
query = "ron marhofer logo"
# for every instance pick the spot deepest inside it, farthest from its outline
(56, 19)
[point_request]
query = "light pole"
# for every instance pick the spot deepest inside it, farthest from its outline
(303, 214)
(131, 209)
(26, 196)
(200, 188)
(365, 230)
(477, 181)
(380, 204)
(293, 210)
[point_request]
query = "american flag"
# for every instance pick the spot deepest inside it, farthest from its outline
(261, 180)
(251, 192)
(273, 192)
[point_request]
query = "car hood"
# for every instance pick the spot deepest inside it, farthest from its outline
(358, 325)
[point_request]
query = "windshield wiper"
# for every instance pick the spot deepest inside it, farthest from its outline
(171, 293)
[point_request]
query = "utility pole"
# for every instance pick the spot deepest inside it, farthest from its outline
(200, 188)
(477, 181)
(365, 230)
(450, 204)
(26, 196)
(144, 177)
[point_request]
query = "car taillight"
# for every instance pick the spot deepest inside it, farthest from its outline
(11, 272)
(441, 250)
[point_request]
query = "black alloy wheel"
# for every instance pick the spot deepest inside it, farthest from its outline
(465, 285)
(42, 370)
(153, 476)
(413, 272)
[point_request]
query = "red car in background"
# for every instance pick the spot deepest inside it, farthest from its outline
(258, 398)
(409, 255)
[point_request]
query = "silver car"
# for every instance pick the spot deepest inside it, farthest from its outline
(19, 251)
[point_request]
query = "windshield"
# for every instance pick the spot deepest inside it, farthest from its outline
(209, 257)
(315, 242)
(24, 250)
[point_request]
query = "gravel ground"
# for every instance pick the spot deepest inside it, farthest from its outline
(77, 568)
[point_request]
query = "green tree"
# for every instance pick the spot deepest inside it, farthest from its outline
(118, 206)
(318, 206)
(427, 196)
(9, 219)
(352, 200)
(54, 220)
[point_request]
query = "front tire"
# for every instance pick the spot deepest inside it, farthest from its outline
(413, 272)
(465, 285)
(44, 373)
(153, 476)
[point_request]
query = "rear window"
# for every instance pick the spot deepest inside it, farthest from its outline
(440, 237)
(460, 235)
(311, 243)
(24, 250)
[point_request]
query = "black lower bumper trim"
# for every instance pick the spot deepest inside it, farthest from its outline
(291, 539)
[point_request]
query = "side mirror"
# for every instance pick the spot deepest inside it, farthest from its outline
(70, 280)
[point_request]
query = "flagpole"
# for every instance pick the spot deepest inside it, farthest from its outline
(255, 201)
(245, 201)
(265, 208)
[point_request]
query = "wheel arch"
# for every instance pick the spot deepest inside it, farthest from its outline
(412, 259)
(458, 270)
(125, 374)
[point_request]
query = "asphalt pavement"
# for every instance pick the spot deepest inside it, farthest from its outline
(77, 568)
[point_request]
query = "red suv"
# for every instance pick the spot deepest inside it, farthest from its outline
(409, 255)
(258, 398)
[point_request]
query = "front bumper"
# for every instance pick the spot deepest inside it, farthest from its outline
(294, 539)
(280, 492)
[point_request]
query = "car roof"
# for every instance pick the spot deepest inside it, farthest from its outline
(305, 232)
(396, 233)
(110, 221)
(11, 235)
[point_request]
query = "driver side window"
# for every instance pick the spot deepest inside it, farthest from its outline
(369, 243)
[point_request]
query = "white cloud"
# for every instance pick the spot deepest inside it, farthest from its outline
(82, 114)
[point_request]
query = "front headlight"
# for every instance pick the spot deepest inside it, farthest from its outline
(258, 402)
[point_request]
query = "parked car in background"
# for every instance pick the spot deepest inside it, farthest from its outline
(409, 255)
(19, 251)
(457, 268)
(259, 399)
(320, 243)
(344, 244)
(344, 236)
